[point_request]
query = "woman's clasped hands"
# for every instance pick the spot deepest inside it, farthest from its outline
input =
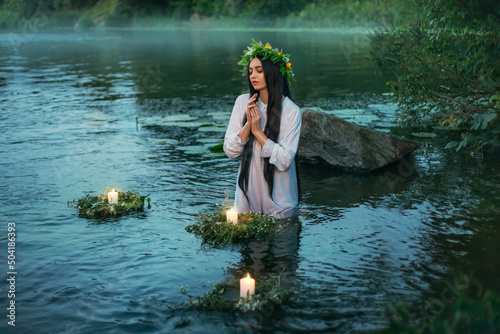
(253, 115)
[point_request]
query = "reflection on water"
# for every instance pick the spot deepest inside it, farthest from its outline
(187, 64)
(277, 255)
(361, 244)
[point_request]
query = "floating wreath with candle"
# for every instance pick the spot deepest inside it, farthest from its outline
(268, 293)
(215, 229)
(109, 204)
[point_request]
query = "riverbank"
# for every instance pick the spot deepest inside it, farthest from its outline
(311, 15)
(189, 27)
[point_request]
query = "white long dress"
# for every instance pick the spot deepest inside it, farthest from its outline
(281, 154)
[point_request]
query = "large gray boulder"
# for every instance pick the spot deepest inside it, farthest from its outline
(331, 141)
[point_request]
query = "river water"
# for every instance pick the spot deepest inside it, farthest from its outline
(69, 102)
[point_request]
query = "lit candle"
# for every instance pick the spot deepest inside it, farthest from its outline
(113, 197)
(232, 216)
(247, 285)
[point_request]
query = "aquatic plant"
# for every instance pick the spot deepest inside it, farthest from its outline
(474, 310)
(97, 206)
(268, 293)
(213, 228)
(219, 148)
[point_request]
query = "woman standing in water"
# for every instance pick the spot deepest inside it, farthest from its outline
(264, 130)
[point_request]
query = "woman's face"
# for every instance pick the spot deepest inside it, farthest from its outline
(256, 74)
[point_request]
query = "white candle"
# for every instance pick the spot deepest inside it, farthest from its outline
(113, 197)
(247, 284)
(232, 216)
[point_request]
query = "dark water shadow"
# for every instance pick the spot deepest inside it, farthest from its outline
(277, 255)
(327, 186)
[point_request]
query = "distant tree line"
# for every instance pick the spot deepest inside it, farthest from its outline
(318, 13)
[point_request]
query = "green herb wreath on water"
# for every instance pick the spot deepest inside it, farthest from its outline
(97, 206)
(268, 291)
(213, 228)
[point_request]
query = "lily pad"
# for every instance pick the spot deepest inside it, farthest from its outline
(219, 148)
(423, 134)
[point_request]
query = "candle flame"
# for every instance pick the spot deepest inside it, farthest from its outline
(248, 275)
(113, 190)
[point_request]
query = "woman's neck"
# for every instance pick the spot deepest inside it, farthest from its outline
(264, 95)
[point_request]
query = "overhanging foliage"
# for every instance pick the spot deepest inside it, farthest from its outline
(447, 70)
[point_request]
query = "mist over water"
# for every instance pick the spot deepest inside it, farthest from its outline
(68, 125)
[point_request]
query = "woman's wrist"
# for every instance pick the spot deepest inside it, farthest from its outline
(245, 132)
(260, 135)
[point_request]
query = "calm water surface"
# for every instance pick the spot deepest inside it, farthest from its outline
(69, 103)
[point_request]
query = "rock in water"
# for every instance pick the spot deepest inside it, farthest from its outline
(331, 141)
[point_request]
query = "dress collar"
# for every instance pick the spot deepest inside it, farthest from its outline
(262, 105)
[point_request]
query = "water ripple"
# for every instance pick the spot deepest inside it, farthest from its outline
(68, 126)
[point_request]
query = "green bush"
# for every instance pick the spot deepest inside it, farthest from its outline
(85, 20)
(8, 18)
(475, 310)
(446, 70)
(367, 13)
(66, 18)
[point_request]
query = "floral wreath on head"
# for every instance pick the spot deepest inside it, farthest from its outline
(278, 57)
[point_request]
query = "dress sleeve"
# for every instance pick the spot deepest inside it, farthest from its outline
(233, 146)
(281, 154)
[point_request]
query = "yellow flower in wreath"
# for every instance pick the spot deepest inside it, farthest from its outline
(268, 47)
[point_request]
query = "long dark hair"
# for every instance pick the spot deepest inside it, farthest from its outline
(277, 86)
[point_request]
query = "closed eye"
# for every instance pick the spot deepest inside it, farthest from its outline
(258, 68)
